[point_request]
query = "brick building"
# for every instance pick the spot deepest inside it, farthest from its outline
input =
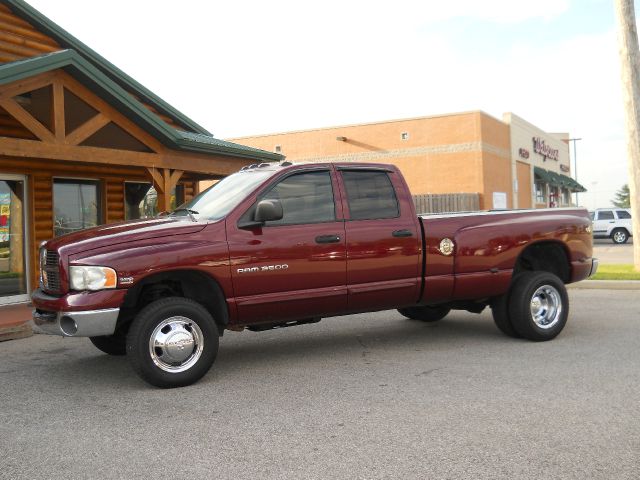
(509, 163)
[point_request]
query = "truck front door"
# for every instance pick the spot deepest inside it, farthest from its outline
(293, 268)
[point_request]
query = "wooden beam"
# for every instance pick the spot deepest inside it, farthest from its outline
(156, 177)
(207, 164)
(58, 112)
(175, 176)
(114, 115)
(87, 129)
(27, 85)
(26, 119)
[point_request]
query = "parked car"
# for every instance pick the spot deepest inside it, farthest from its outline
(613, 223)
(275, 246)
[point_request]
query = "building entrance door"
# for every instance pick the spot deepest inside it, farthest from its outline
(14, 273)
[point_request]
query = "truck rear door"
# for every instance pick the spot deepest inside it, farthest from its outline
(383, 239)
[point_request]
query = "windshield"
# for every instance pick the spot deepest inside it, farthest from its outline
(219, 199)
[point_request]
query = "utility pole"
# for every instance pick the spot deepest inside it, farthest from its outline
(575, 162)
(630, 62)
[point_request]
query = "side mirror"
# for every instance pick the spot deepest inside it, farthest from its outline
(268, 211)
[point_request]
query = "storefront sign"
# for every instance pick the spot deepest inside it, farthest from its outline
(539, 146)
(524, 153)
(499, 200)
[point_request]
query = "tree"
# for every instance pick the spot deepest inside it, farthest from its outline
(630, 75)
(622, 199)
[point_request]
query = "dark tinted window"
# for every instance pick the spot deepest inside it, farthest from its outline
(370, 195)
(305, 198)
(623, 214)
(605, 215)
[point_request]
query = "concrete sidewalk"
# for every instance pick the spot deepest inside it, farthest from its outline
(15, 321)
(607, 285)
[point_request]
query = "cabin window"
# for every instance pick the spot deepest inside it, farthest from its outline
(305, 198)
(370, 195)
(76, 205)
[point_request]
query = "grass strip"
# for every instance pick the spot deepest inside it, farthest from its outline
(616, 272)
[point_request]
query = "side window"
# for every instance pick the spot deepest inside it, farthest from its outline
(305, 198)
(623, 214)
(605, 215)
(370, 195)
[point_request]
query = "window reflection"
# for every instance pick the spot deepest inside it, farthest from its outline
(12, 261)
(75, 205)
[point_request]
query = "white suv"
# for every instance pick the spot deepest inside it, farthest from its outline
(613, 223)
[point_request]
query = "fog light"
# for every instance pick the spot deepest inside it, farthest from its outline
(68, 326)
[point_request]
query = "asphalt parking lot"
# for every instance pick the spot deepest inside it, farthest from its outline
(608, 252)
(366, 396)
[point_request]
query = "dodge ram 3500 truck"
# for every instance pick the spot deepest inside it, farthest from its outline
(276, 245)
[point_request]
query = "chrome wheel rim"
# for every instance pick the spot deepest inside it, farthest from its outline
(546, 307)
(176, 344)
(619, 237)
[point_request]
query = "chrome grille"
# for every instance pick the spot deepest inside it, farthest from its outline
(51, 271)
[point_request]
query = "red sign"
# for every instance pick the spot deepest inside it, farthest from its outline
(539, 146)
(523, 152)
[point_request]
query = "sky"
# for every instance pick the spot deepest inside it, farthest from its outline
(249, 67)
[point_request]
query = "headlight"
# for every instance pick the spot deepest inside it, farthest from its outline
(92, 278)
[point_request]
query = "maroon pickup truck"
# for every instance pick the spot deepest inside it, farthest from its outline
(277, 245)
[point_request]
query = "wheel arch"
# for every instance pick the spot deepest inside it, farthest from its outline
(192, 284)
(547, 255)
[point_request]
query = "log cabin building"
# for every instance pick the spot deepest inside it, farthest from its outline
(82, 143)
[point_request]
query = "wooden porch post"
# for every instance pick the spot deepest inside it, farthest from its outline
(164, 181)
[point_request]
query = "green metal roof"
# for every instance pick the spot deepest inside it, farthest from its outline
(558, 179)
(85, 72)
(68, 41)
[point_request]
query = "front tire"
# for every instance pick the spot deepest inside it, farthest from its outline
(619, 236)
(111, 344)
(538, 306)
(425, 313)
(172, 342)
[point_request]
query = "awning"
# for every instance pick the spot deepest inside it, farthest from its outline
(557, 180)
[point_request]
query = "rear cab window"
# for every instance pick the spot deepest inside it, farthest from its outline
(623, 214)
(370, 195)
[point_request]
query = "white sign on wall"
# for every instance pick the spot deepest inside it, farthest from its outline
(499, 200)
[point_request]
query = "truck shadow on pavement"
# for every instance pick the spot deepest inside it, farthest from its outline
(357, 339)
(360, 341)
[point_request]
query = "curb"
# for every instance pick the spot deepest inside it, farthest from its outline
(606, 285)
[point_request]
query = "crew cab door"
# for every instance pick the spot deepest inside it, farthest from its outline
(293, 268)
(384, 242)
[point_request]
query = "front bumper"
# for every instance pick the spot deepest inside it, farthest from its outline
(77, 314)
(90, 323)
